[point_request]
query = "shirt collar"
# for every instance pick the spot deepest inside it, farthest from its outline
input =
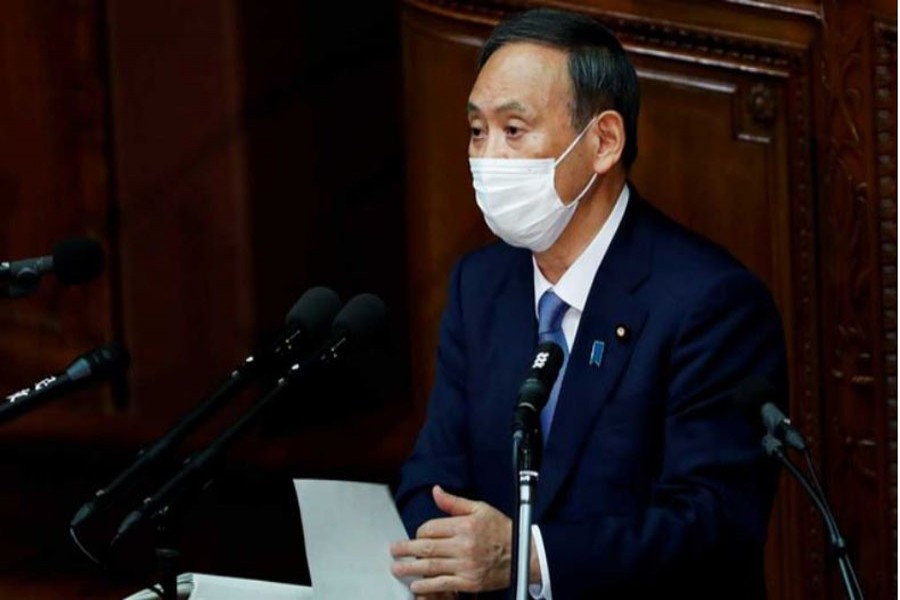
(575, 284)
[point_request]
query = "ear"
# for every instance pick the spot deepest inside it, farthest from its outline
(609, 127)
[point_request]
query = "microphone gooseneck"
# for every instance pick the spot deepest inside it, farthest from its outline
(779, 432)
(307, 323)
(360, 321)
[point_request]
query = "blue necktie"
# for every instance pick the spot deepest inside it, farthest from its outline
(551, 310)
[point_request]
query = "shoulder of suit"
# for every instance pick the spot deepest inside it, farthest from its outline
(687, 267)
(680, 251)
(491, 260)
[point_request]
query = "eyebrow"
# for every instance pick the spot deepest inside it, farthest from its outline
(510, 106)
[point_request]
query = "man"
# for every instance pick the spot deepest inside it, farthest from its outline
(653, 480)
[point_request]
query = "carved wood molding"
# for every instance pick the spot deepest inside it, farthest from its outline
(805, 404)
(856, 282)
(645, 36)
(885, 88)
(846, 194)
(493, 9)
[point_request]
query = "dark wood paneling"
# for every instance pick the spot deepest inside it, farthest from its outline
(885, 78)
(181, 197)
(856, 444)
(54, 180)
(442, 219)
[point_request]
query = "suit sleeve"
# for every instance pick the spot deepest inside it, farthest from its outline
(711, 500)
(440, 453)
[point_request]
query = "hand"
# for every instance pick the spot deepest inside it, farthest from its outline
(469, 551)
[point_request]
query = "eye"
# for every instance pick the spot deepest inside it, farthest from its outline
(476, 132)
(513, 131)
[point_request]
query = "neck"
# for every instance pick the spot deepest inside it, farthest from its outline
(589, 217)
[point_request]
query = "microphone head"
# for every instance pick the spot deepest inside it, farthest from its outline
(363, 317)
(548, 360)
(314, 312)
(535, 390)
(78, 260)
(772, 416)
(104, 362)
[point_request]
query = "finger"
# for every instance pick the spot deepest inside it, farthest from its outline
(424, 548)
(441, 528)
(425, 567)
(456, 506)
(442, 583)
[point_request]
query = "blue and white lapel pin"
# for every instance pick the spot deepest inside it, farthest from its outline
(597, 353)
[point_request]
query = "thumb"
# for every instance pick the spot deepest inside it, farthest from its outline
(455, 506)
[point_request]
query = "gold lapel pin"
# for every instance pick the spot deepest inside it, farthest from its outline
(622, 332)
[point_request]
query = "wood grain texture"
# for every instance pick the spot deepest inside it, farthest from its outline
(855, 407)
(54, 180)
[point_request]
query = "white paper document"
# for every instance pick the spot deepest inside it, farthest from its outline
(348, 528)
(199, 586)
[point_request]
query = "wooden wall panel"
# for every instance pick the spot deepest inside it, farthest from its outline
(442, 218)
(885, 80)
(54, 180)
(181, 198)
(858, 442)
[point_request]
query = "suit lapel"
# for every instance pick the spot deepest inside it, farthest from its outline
(610, 312)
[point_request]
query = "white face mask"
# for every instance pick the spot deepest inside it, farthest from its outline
(519, 200)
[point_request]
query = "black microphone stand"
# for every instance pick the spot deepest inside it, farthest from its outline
(154, 454)
(195, 471)
(160, 508)
(838, 546)
(527, 460)
(167, 554)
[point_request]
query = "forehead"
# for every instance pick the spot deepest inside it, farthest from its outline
(533, 75)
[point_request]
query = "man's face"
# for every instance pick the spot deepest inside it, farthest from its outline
(520, 107)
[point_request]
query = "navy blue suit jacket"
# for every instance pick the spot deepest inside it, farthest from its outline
(653, 480)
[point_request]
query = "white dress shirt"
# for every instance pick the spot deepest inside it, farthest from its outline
(573, 288)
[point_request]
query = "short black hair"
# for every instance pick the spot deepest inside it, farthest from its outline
(602, 76)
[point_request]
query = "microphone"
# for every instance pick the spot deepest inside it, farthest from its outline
(99, 364)
(756, 391)
(527, 446)
(817, 495)
(535, 390)
(780, 427)
(759, 392)
(76, 260)
(360, 321)
(307, 322)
